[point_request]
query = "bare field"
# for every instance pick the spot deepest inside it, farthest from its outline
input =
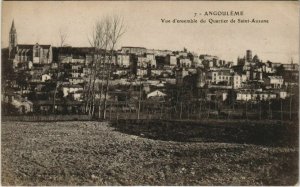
(94, 153)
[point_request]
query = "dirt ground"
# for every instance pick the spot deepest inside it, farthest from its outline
(95, 153)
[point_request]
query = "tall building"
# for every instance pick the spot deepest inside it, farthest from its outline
(249, 55)
(12, 40)
(25, 53)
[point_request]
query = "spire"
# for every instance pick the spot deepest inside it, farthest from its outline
(12, 39)
(13, 29)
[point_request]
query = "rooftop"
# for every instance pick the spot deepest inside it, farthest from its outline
(275, 77)
(30, 46)
(133, 47)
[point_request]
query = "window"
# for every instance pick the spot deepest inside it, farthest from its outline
(36, 54)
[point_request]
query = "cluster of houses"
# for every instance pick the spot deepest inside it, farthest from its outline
(42, 71)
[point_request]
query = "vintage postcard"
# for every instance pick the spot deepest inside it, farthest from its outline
(149, 93)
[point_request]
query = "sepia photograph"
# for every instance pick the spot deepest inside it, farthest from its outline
(155, 93)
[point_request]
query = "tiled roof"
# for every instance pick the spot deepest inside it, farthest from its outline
(133, 47)
(45, 46)
(77, 52)
(25, 46)
(30, 46)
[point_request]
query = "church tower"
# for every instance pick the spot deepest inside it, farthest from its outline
(12, 39)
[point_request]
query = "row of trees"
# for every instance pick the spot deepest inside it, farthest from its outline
(103, 39)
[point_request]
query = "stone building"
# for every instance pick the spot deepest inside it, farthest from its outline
(134, 50)
(24, 53)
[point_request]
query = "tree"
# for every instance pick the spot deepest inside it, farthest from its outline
(280, 70)
(62, 37)
(62, 42)
(8, 73)
(99, 42)
(22, 78)
(104, 38)
(116, 32)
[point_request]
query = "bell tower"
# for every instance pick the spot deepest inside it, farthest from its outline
(12, 39)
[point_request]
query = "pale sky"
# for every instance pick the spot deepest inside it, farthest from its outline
(277, 41)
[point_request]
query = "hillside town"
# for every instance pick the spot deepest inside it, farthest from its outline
(45, 79)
